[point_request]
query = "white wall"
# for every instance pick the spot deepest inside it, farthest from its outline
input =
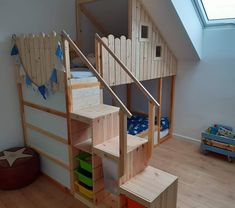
(205, 91)
(18, 17)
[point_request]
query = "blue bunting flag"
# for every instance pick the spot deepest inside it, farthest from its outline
(28, 81)
(14, 50)
(53, 77)
(59, 52)
(43, 90)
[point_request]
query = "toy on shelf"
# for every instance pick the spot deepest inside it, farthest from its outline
(219, 139)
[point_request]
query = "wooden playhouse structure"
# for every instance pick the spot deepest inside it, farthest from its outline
(81, 139)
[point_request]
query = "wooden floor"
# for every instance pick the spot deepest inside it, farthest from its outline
(204, 181)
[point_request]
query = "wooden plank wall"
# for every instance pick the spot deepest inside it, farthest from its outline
(136, 53)
(38, 57)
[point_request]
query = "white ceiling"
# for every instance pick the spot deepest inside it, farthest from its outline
(168, 22)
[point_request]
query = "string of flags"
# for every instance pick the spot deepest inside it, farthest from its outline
(48, 86)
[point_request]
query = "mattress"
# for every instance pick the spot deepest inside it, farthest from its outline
(79, 73)
(139, 123)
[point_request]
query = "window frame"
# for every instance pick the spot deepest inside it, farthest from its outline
(206, 21)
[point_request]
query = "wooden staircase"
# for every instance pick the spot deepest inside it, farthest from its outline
(146, 185)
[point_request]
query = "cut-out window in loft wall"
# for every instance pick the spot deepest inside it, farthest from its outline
(157, 53)
(144, 32)
(216, 12)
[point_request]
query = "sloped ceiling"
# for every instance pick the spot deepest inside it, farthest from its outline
(169, 23)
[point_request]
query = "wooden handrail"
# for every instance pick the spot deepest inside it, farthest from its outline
(132, 76)
(92, 68)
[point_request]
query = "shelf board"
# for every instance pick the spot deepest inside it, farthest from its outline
(110, 148)
(85, 146)
(87, 115)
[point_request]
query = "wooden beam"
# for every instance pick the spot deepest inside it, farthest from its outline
(151, 129)
(122, 143)
(85, 85)
(45, 109)
(159, 109)
(93, 20)
(46, 133)
(22, 114)
(58, 162)
(172, 104)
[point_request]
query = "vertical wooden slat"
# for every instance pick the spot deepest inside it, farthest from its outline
(149, 55)
(37, 60)
(133, 35)
(117, 66)
(42, 58)
(145, 51)
(137, 48)
(129, 58)
(105, 62)
(172, 105)
(111, 68)
(142, 46)
(32, 58)
(122, 143)
(153, 68)
(151, 116)
(46, 43)
(28, 67)
(123, 57)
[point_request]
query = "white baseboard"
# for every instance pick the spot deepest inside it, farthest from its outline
(178, 136)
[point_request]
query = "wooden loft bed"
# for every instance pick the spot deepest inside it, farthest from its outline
(71, 126)
(61, 132)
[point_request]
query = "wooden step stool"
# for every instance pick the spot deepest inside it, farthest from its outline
(152, 188)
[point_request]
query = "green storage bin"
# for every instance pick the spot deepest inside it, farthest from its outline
(85, 161)
(84, 176)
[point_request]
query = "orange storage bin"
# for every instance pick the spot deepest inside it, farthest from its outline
(133, 204)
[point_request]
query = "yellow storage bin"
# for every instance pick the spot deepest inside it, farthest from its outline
(88, 193)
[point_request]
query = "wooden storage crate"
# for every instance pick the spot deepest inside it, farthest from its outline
(219, 144)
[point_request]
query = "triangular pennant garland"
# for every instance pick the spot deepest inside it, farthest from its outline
(46, 88)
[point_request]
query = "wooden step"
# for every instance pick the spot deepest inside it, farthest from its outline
(152, 188)
(88, 115)
(110, 148)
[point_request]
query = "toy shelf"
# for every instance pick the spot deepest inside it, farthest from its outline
(85, 146)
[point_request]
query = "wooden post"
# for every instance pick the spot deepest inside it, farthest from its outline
(151, 130)
(67, 86)
(122, 142)
(172, 104)
(159, 109)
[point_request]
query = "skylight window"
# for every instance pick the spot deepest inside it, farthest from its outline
(216, 12)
